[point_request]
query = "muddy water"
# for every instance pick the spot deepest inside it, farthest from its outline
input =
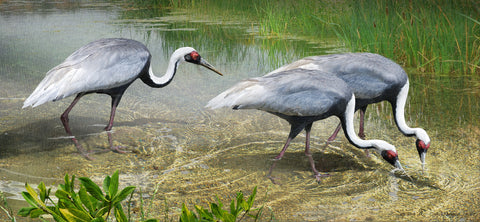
(190, 154)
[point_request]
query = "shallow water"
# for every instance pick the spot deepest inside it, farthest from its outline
(192, 154)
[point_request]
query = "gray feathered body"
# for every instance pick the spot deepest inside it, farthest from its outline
(293, 94)
(371, 77)
(102, 66)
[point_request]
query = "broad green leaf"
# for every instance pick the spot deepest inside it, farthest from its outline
(43, 191)
(150, 220)
(123, 194)
(86, 200)
(202, 213)
(240, 201)
(72, 184)
(228, 217)
(37, 212)
(62, 194)
(216, 210)
(32, 193)
(25, 211)
(106, 184)
(187, 215)
(29, 199)
(102, 211)
(75, 215)
(98, 219)
(113, 187)
(66, 187)
(119, 214)
(220, 204)
(92, 188)
(251, 198)
(232, 207)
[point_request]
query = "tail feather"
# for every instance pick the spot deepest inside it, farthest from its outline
(53, 87)
(241, 96)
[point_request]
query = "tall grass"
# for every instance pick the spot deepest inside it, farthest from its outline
(435, 36)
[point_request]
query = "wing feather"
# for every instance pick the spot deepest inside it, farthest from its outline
(102, 64)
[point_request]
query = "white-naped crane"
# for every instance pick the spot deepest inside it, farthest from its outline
(106, 66)
(302, 97)
(372, 78)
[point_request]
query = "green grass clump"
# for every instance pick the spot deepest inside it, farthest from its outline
(440, 36)
(433, 36)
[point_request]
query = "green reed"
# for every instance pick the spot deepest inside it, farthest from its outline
(441, 36)
(433, 36)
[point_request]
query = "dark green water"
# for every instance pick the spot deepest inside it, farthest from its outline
(191, 153)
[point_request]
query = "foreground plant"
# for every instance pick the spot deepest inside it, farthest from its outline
(88, 204)
(238, 210)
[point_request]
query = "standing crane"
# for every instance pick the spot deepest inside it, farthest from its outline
(372, 78)
(106, 66)
(301, 97)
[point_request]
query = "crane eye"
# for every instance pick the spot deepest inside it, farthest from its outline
(193, 57)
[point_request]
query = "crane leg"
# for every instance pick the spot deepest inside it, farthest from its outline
(115, 101)
(318, 175)
(280, 155)
(361, 128)
(65, 120)
(361, 133)
(334, 134)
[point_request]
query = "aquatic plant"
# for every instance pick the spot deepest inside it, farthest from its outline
(237, 211)
(6, 208)
(90, 203)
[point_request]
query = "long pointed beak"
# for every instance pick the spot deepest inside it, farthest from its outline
(422, 157)
(398, 165)
(208, 66)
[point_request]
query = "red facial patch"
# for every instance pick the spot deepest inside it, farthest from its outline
(194, 55)
(391, 154)
(423, 146)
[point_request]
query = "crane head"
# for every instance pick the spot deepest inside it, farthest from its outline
(195, 58)
(422, 148)
(391, 156)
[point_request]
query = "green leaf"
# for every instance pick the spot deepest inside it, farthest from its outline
(25, 211)
(37, 213)
(232, 208)
(251, 198)
(62, 195)
(29, 199)
(228, 217)
(32, 192)
(102, 211)
(240, 202)
(216, 210)
(92, 188)
(98, 219)
(75, 215)
(150, 220)
(86, 200)
(123, 194)
(187, 215)
(113, 187)
(119, 214)
(43, 191)
(106, 184)
(203, 213)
